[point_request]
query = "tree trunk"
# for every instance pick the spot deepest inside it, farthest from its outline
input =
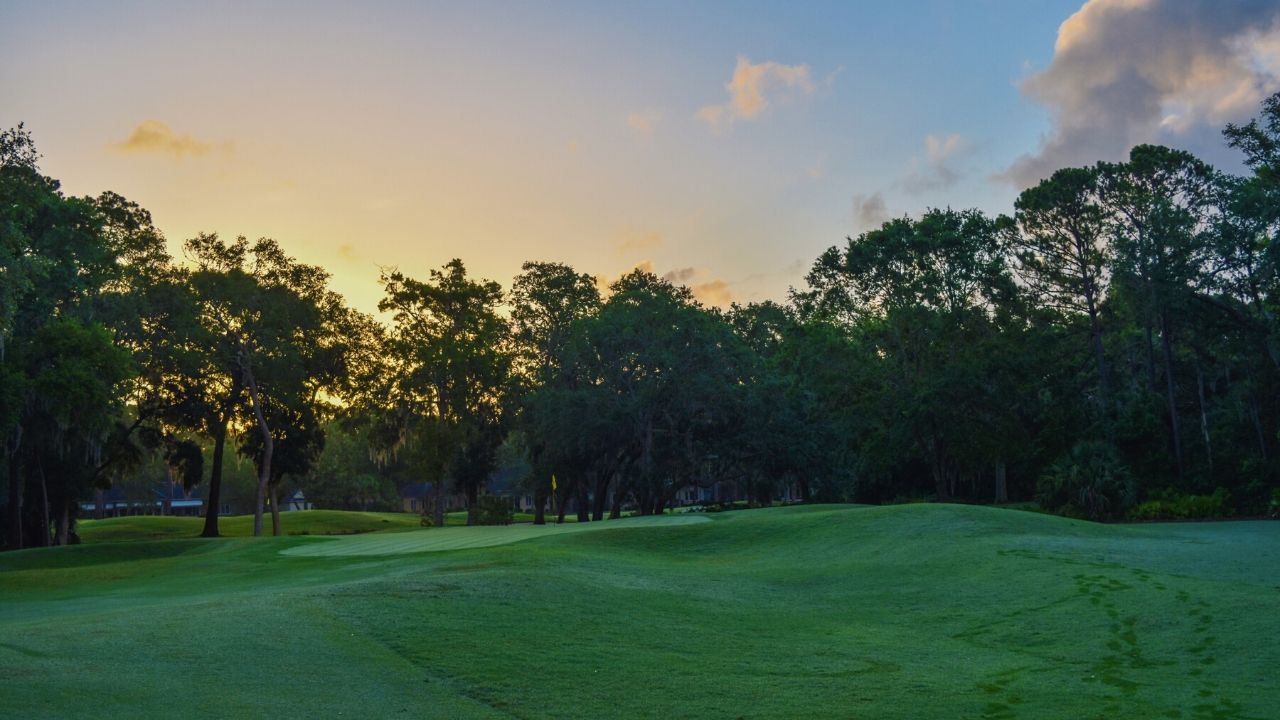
(215, 478)
(64, 524)
(472, 497)
(539, 507)
(584, 513)
(941, 476)
(99, 500)
(275, 509)
(1002, 485)
(14, 541)
(660, 503)
(1204, 417)
(44, 498)
(601, 496)
(268, 447)
(562, 501)
(615, 508)
(1174, 425)
(1257, 426)
(1095, 333)
(438, 510)
(1151, 356)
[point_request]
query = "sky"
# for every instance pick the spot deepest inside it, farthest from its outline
(722, 145)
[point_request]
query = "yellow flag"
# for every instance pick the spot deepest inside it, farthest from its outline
(553, 483)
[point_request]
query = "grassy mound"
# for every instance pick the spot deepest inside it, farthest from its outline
(900, 612)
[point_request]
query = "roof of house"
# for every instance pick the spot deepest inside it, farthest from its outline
(416, 491)
(503, 481)
(174, 491)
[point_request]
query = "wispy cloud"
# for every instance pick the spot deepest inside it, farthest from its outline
(935, 169)
(712, 291)
(154, 136)
(640, 242)
(869, 211)
(749, 90)
(1131, 71)
(644, 122)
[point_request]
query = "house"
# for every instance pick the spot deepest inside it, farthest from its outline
(504, 482)
(163, 498)
(173, 499)
(419, 496)
(296, 501)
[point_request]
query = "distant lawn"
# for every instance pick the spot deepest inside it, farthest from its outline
(297, 522)
(916, 611)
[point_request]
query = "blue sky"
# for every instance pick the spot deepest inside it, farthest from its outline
(724, 144)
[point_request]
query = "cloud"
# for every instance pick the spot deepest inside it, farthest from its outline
(869, 211)
(708, 292)
(604, 281)
(644, 122)
(153, 136)
(715, 292)
(934, 171)
(749, 89)
(1167, 71)
(641, 242)
(680, 276)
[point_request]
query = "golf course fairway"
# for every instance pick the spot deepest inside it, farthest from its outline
(911, 611)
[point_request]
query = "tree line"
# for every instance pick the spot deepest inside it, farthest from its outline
(1110, 347)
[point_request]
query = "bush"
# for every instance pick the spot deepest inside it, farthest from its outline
(1174, 506)
(491, 510)
(1090, 481)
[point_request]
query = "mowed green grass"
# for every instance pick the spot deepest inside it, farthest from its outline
(300, 522)
(918, 611)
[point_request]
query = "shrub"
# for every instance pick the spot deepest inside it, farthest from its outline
(1170, 505)
(1090, 481)
(491, 510)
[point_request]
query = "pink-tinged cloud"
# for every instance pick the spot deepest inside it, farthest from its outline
(644, 122)
(936, 170)
(708, 292)
(750, 87)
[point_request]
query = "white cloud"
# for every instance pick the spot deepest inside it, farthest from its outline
(1126, 72)
(750, 87)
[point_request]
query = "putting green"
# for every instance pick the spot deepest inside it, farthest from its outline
(458, 538)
